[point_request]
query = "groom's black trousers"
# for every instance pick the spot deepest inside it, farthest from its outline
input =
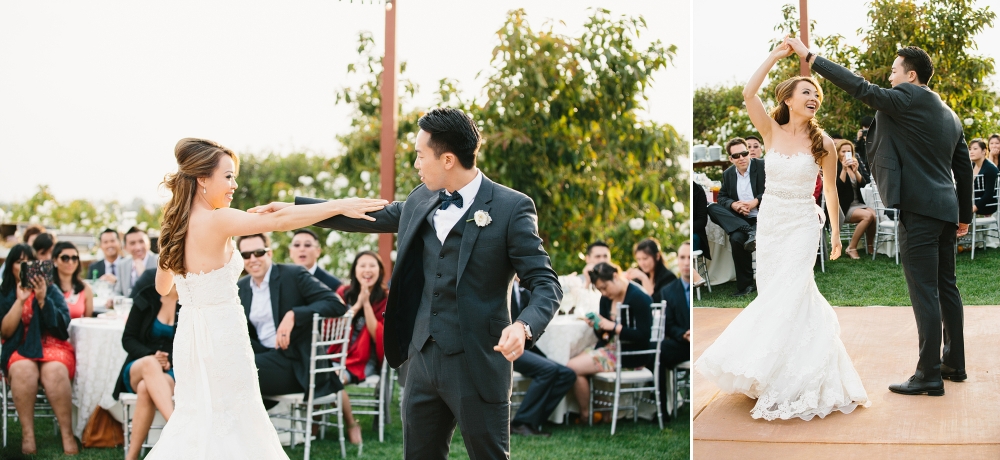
(438, 393)
(733, 224)
(927, 249)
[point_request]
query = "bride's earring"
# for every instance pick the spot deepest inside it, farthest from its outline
(204, 190)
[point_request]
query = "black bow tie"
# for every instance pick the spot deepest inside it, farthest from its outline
(453, 199)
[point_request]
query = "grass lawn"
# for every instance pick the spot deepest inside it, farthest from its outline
(640, 440)
(862, 282)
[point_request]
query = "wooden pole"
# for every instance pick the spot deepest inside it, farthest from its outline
(390, 124)
(804, 35)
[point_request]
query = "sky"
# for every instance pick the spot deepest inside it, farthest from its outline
(94, 94)
(731, 37)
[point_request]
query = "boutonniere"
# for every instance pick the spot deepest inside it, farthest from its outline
(482, 218)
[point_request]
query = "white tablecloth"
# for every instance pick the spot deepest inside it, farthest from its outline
(564, 338)
(721, 268)
(99, 359)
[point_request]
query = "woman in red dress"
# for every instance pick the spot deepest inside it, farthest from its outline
(367, 296)
(79, 295)
(35, 329)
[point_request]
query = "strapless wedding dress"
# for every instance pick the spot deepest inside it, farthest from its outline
(784, 349)
(218, 412)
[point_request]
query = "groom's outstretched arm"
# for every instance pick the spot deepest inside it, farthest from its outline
(386, 220)
(891, 101)
(534, 268)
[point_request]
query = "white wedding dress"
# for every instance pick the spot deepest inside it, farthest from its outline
(784, 349)
(218, 411)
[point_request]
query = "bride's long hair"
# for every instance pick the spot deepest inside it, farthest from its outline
(781, 113)
(195, 158)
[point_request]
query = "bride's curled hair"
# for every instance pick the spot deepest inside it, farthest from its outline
(780, 113)
(195, 158)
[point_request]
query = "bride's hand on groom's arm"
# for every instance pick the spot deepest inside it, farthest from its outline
(274, 206)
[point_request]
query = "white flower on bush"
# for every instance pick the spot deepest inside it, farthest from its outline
(323, 175)
(340, 182)
(968, 122)
(988, 114)
(305, 180)
(332, 238)
(636, 224)
(678, 207)
(667, 214)
(366, 176)
(685, 228)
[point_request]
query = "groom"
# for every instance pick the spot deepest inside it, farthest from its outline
(462, 238)
(915, 146)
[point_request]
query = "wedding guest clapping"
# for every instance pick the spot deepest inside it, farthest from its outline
(852, 205)
(652, 274)
(634, 330)
(35, 330)
(984, 179)
(148, 371)
(79, 295)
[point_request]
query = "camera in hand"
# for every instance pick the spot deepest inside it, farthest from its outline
(33, 268)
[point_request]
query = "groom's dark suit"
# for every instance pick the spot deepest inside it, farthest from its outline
(915, 148)
(446, 310)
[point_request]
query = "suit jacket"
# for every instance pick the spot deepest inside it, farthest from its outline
(326, 278)
(516, 307)
(678, 312)
(98, 268)
(699, 210)
(123, 285)
(137, 338)
(294, 289)
(916, 147)
(488, 259)
(728, 193)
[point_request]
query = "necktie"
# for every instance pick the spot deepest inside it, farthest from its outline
(453, 199)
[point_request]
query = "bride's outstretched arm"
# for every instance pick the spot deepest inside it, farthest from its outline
(234, 222)
(829, 164)
(755, 106)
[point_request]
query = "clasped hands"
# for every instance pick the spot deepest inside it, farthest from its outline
(163, 358)
(744, 207)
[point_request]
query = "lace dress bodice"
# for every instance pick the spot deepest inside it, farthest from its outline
(790, 177)
(213, 288)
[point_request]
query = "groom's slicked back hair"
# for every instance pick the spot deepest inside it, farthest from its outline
(452, 131)
(919, 61)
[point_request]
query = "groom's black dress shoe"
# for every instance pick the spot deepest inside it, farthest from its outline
(745, 291)
(915, 386)
(955, 375)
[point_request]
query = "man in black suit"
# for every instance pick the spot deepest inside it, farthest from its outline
(279, 301)
(550, 381)
(305, 251)
(676, 345)
(920, 161)
(736, 211)
(105, 269)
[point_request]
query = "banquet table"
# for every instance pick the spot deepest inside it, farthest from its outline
(720, 268)
(99, 359)
(564, 338)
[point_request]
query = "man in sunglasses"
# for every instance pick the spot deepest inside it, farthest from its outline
(279, 301)
(736, 211)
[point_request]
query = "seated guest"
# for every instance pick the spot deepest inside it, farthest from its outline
(148, 371)
(736, 211)
(699, 222)
(994, 148)
(35, 330)
(597, 252)
(676, 345)
(852, 205)
(79, 295)
(43, 244)
(281, 334)
(131, 268)
(105, 269)
(367, 297)
(28, 238)
(652, 274)
(755, 146)
(634, 331)
(550, 381)
(305, 251)
(860, 142)
(985, 174)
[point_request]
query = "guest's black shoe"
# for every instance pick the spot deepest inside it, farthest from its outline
(915, 386)
(751, 244)
(955, 375)
(525, 430)
(745, 291)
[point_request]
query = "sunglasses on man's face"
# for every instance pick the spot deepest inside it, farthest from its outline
(66, 258)
(739, 154)
(256, 252)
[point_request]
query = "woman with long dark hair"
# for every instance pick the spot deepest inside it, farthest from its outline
(79, 295)
(35, 333)
(984, 176)
(219, 412)
(651, 271)
(852, 205)
(784, 349)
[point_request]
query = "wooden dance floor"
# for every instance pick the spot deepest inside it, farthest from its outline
(882, 341)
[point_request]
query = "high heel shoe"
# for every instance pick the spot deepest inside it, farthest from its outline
(853, 253)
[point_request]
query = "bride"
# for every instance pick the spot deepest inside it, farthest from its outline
(784, 349)
(219, 412)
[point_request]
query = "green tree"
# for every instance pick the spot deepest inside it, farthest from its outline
(720, 115)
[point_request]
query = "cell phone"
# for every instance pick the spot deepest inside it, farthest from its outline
(33, 268)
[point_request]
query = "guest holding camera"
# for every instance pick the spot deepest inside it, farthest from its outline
(652, 274)
(634, 331)
(148, 371)
(35, 330)
(984, 179)
(852, 205)
(79, 295)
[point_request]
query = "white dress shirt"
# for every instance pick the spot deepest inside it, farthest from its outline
(261, 315)
(445, 220)
(743, 188)
(312, 271)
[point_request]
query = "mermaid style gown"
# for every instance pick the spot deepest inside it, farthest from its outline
(784, 349)
(218, 412)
